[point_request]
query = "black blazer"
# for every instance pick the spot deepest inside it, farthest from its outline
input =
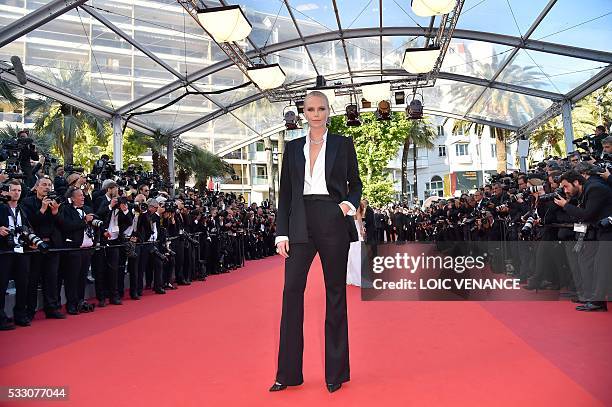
(341, 177)
(72, 225)
(4, 221)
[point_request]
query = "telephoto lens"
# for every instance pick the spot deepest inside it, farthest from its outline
(97, 223)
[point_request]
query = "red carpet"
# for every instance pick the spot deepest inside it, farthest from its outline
(215, 343)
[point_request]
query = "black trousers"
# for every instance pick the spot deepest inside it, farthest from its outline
(44, 267)
(327, 236)
(149, 263)
(135, 274)
(75, 274)
(17, 267)
(106, 276)
(178, 246)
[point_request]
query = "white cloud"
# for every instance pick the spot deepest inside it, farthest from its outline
(307, 7)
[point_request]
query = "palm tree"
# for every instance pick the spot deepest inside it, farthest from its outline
(201, 163)
(549, 136)
(65, 123)
(420, 134)
(498, 105)
(8, 94)
(158, 143)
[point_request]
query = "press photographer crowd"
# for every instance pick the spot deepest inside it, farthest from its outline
(549, 226)
(79, 229)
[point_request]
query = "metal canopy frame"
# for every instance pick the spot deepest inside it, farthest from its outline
(56, 8)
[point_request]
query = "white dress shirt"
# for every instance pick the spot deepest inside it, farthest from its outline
(315, 184)
(15, 216)
(87, 241)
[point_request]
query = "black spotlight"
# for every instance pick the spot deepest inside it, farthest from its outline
(300, 106)
(352, 116)
(400, 98)
(291, 120)
(383, 112)
(415, 110)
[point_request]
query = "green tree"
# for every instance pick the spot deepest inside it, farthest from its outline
(201, 163)
(376, 142)
(8, 94)
(158, 143)
(419, 133)
(549, 137)
(65, 123)
(593, 110)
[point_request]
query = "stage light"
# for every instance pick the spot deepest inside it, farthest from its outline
(352, 116)
(267, 76)
(400, 98)
(300, 106)
(414, 110)
(291, 120)
(420, 60)
(383, 112)
(427, 8)
(377, 91)
(225, 24)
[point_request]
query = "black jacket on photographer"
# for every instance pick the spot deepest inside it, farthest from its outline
(73, 225)
(5, 213)
(594, 204)
(105, 214)
(549, 213)
(46, 226)
(145, 228)
(60, 185)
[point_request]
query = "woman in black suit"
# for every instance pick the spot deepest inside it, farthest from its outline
(319, 191)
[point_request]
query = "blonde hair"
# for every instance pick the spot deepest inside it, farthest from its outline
(319, 94)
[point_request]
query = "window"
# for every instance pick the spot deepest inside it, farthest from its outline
(458, 131)
(435, 187)
(461, 149)
(493, 150)
(259, 146)
(440, 130)
(441, 151)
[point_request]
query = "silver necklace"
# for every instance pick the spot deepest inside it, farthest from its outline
(316, 143)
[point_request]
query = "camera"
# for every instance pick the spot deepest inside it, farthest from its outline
(549, 197)
(532, 189)
(527, 229)
(71, 168)
(25, 237)
(170, 206)
(97, 223)
(155, 251)
(54, 196)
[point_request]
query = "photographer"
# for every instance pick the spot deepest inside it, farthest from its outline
(594, 204)
(169, 228)
(131, 249)
(150, 261)
(27, 153)
(107, 260)
(15, 265)
(78, 233)
(550, 259)
(178, 244)
(60, 185)
(42, 211)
